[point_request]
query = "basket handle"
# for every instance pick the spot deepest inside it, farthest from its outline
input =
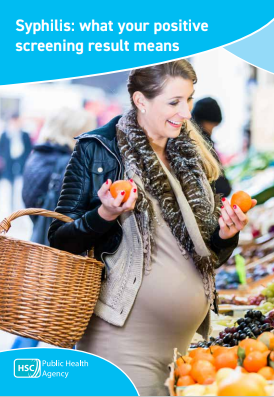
(6, 223)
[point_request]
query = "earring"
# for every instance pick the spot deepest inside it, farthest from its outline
(143, 111)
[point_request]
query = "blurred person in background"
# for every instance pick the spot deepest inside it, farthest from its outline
(15, 147)
(45, 167)
(44, 172)
(208, 115)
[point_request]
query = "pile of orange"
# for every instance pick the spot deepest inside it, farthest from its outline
(202, 365)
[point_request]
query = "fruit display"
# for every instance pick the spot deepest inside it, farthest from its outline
(253, 253)
(253, 164)
(251, 326)
(256, 300)
(266, 295)
(261, 220)
(268, 292)
(241, 301)
(228, 278)
(241, 370)
(231, 382)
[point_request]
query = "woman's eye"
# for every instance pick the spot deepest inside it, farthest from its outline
(190, 98)
(174, 103)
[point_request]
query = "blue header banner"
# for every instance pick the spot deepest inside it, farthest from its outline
(60, 39)
(60, 372)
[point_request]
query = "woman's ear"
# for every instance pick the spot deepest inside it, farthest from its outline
(139, 101)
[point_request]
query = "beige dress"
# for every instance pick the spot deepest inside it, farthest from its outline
(169, 308)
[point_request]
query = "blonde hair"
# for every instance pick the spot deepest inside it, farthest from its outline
(151, 81)
(62, 127)
(210, 164)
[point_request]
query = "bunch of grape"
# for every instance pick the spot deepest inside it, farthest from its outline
(270, 318)
(252, 325)
(256, 300)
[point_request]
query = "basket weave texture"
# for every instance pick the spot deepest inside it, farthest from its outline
(45, 294)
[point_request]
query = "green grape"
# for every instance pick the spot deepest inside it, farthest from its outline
(269, 293)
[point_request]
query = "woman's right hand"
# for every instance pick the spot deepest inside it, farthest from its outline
(111, 207)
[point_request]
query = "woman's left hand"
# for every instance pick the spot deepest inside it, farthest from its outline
(232, 220)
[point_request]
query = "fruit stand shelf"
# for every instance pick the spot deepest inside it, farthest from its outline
(244, 290)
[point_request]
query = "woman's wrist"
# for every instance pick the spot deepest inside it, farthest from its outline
(105, 214)
(220, 242)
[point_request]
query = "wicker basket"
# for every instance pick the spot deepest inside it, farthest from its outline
(45, 294)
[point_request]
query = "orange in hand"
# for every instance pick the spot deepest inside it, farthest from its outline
(119, 186)
(242, 200)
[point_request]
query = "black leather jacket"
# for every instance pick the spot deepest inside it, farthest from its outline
(95, 159)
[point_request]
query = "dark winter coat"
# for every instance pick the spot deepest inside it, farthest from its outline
(38, 172)
(95, 159)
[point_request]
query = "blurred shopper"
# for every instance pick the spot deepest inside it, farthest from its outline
(15, 147)
(45, 167)
(44, 171)
(208, 115)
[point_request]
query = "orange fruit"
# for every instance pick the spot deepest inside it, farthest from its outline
(193, 352)
(254, 361)
(204, 356)
(241, 386)
(207, 376)
(242, 199)
(182, 370)
(199, 367)
(226, 360)
(183, 360)
(185, 381)
(118, 186)
(219, 351)
(214, 348)
(268, 339)
(267, 373)
(251, 345)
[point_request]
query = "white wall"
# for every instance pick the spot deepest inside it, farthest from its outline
(222, 76)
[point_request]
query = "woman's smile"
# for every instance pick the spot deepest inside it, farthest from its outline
(175, 124)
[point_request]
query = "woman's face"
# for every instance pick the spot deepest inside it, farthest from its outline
(165, 114)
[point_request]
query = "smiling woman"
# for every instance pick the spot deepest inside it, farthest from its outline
(162, 245)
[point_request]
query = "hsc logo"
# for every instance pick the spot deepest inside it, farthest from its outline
(27, 368)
